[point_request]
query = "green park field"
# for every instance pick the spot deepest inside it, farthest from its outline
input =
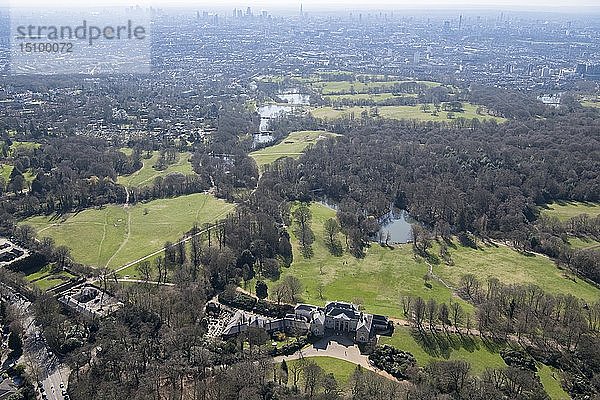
(23, 145)
(385, 274)
(347, 87)
(452, 347)
(377, 280)
(5, 171)
(146, 175)
(402, 112)
(570, 209)
(375, 97)
(113, 236)
(291, 146)
(510, 266)
(479, 354)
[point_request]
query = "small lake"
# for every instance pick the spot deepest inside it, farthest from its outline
(399, 224)
(270, 111)
(296, 99)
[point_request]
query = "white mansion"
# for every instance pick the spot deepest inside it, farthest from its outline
(335, 317)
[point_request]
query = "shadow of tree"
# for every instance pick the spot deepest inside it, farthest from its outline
(441, 345)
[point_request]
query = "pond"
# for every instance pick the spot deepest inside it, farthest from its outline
(269, 111)
(399, 225)
(295, 98)
(397, 222)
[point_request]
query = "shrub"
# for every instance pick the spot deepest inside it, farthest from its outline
(393, 361)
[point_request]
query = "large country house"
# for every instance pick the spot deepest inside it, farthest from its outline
(335, 318)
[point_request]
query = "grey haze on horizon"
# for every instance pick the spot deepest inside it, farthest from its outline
(328, 5)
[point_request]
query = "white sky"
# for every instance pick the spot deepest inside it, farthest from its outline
(316, 4)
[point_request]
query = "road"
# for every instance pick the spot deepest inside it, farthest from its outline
(37, 356)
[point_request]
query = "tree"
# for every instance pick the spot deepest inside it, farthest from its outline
(470, 286)
(332, 228)
(62, 254)
(14, 342)
(195, 254)
(443, 315)
(293, 286)
(16, 183)
(261, 290)
(25, 234)
(313, 375)
(320, 290)
(283, 374)
(418, 312)
(145, 270)
(421, 239)
(432, 313)
(457, 314)
(285, 249)
(302, 217)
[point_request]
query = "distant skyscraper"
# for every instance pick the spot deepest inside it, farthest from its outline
(249, 12)
(301, 10)
(417, 57)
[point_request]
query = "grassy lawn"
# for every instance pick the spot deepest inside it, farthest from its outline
(146, 175)
(569, 209)
(345, 87)
(551, 381)
(376, 97)
(402, 112)
(471, 349)
(583, 243)
(510, 266)
(44, 279)
(113, 236)
(24, 145)
(292, 146)
(52, 281)
(377, 280)
(5, 171)
(342, 370)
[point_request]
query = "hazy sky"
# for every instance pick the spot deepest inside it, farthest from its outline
(319, 4)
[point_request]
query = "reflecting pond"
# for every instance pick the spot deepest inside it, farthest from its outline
(399, 225)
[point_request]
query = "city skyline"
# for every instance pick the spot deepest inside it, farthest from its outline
(315, 5)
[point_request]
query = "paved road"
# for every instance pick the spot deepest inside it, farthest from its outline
(35, 351)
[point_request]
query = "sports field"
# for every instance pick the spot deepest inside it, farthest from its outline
(114, 235)
(145, 176)
(402, 112)
(291, 146)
